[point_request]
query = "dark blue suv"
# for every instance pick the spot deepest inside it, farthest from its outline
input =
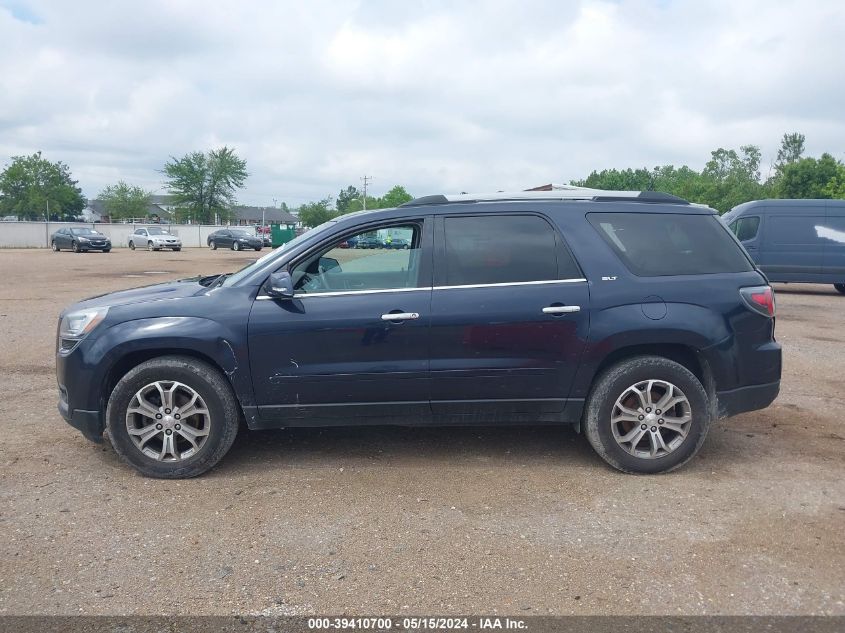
(636, 317)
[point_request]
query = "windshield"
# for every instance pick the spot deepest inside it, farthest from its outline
(84, 232)
(277, 253)
(154, 230)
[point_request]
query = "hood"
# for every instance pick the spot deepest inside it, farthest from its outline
(156, 292)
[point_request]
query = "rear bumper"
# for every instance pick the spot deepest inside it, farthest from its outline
(750, 398)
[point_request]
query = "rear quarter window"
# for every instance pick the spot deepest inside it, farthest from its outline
(663, 244)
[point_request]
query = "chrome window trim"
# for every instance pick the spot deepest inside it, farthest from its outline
(342, 293)
(514, 283)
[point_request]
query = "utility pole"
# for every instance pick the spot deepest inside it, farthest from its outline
(366, 180)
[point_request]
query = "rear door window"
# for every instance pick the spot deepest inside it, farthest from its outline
(663, 244)
(493, 249)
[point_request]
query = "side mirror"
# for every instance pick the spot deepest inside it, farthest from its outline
(280, 285)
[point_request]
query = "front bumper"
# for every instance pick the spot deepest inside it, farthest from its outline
(77, 405)
(750, 398)
(90, 423)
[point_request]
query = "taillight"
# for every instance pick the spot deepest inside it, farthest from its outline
(760, 299)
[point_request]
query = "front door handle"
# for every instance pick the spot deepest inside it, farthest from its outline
(400, 316)
(561, 309)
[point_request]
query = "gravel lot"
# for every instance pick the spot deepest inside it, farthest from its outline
(395, 520)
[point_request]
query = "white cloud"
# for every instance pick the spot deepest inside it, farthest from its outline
(439, 96)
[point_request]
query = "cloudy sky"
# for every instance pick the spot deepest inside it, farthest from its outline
(438, 96)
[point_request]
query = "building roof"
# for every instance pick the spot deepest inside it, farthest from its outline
(271, 215)
(97, 208)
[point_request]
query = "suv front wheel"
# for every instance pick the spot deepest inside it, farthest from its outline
(647, 414)
(172, 417)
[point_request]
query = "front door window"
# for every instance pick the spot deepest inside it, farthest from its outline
(378, 259)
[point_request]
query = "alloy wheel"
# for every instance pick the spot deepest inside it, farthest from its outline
(168, 421)
(651, 419)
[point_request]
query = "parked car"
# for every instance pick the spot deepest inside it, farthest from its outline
(397, 243)
(236, 239)
(636, 317)
(349, 242)
(368, 241)
(79, 240)
(154, 238)
(793, 241)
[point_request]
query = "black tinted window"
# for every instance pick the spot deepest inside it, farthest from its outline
(493, 249)
(658, 244)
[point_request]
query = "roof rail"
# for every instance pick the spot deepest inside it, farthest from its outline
(594, 195)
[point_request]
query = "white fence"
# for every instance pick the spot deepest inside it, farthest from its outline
(37, 234)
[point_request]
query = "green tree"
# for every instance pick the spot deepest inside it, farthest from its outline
(732, 178)
(617, 180)
(809, 177)
(835, 188)
(791, 150)
(345, 198)
(358, 204)
(205, 183)
(122, 201)
(30, 185)
(394, 198)
(315, 213)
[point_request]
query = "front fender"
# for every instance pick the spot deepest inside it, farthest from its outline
(224, 347)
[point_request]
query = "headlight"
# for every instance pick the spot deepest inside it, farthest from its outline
(77, 325)
(83, 239)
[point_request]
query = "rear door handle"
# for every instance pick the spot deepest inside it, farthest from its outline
(559, 309)
(400, 316)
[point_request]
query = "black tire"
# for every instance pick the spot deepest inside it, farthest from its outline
(223, 408)
(258, 248)
(236, 246)
(75, 247)
(177, 249)
(611, 385)
(840, 288)
(150, 246)
(131, 245)
(212, 245)
(55, 248)
(107, 250)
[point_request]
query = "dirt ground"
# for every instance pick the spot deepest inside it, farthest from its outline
(414, 521)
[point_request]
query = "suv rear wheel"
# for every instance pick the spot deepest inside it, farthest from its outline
(647, 414)
(172, 417)
(840, 288)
